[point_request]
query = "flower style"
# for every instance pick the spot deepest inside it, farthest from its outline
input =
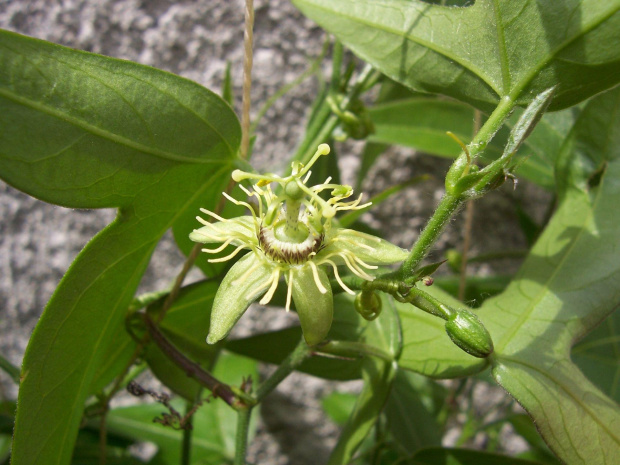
(291, 236)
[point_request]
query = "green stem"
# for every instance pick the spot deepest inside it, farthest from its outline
(294, 359)
(450, 202)
(447, 207)
(243, 427)
(352, 349)
(428, 303)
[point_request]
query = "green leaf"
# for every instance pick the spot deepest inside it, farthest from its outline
(434, 456)
(339, 406)
(486, 51)
(214, 423)
(86, 131)
(524, 426)
(422, 122)
(384, 333)
(412, 414)
(598, 356)
(477, 288)
(566, 287)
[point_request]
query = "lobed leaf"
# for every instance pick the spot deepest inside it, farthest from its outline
(566, 287)
(484, 52)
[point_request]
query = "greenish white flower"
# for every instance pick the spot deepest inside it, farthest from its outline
(289, 235)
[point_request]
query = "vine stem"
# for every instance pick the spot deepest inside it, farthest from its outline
(469, 219)
(243, 429)
(248, 38)
(451, 203)
(290, 364)
(186, 448)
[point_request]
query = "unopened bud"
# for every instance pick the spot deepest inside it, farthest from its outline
(468, 332)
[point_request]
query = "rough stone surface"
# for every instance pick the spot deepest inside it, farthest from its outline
(195, 39)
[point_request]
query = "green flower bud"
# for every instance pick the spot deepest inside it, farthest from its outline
(468, 332)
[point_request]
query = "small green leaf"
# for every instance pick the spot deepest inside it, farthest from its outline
(598, 356)
(421, 123)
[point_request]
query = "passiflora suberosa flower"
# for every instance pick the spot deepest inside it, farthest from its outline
(289, 235)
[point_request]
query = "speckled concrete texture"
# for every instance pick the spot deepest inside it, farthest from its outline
(196, 39)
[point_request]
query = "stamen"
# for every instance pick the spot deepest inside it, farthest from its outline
(274, 285)
(317, 281)
(289, 290)
(342, 285)
(229, 256)
(363, 263)
(213, 215)
(220, 248)
(307, 177)
(354, 268)
(247, 192)
(240, 203)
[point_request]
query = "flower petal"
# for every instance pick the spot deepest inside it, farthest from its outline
(315, 309)
(241, 227)
(245, 282)
(370, 249)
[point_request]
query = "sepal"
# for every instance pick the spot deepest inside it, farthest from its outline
(315, 308)
(247, 280)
